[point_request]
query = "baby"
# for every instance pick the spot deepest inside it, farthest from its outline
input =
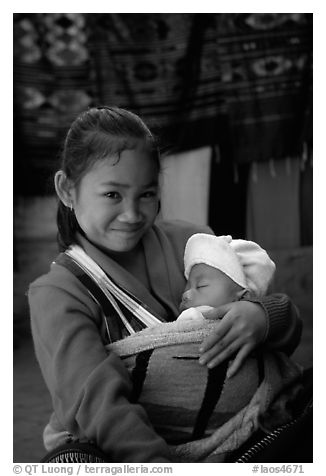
(186, 401)
(193, 404)
(220, 270)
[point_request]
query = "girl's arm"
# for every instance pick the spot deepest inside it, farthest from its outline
(245, 325)
(283, 324)
(90, 390)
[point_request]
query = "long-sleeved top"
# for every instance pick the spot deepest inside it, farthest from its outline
(90, 389)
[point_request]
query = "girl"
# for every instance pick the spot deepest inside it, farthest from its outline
(109, 199)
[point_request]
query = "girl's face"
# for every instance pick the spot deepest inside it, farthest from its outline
(208, 286)
(116, 202)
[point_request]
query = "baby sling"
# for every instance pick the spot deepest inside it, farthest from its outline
(219, 425)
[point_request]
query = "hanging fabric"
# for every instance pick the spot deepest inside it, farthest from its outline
(227, 196)
(273, 218)
(306, 204)
(185, 186)
(181, 72)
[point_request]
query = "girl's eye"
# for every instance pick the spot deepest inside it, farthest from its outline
(149, 194)
(113, 195)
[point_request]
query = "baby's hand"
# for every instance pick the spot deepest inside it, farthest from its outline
(191, 314)
(242, 328)
(209, 313)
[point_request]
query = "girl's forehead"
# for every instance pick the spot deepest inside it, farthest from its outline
(131, 166)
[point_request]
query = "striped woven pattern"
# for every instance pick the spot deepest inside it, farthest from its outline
(76, 452)
(197, 410)
(184, 400)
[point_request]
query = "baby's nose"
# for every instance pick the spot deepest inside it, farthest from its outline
(186, 297)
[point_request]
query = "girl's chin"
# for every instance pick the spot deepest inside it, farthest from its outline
(119, 246)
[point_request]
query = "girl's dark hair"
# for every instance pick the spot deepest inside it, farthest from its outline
(97, 133)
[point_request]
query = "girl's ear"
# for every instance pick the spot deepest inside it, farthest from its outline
(63, 187)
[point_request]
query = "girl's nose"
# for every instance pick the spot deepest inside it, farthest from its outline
(131, 214)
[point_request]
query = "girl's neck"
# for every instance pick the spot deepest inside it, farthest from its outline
(126, 257)
(132, 261)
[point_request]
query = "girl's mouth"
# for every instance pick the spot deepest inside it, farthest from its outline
(133, 229)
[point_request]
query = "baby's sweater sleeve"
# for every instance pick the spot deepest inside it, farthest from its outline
(90, 389)
(284, 326)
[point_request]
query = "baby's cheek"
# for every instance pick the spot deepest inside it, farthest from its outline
(199, 299)
(213, 299)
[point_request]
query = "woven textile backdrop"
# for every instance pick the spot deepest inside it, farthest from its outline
(241, 81)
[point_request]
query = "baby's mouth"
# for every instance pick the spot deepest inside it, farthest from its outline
(184, 305)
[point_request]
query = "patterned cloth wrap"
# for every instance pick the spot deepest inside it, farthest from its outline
(198, 411)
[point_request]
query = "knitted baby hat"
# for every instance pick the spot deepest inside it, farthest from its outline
(245, 262)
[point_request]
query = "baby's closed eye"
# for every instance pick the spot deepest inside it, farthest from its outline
(201, 285)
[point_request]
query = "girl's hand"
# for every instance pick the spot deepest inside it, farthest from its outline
(242, 328)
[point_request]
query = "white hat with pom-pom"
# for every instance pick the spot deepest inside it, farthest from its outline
(245, 262)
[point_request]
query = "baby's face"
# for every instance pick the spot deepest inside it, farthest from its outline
(207, 286)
